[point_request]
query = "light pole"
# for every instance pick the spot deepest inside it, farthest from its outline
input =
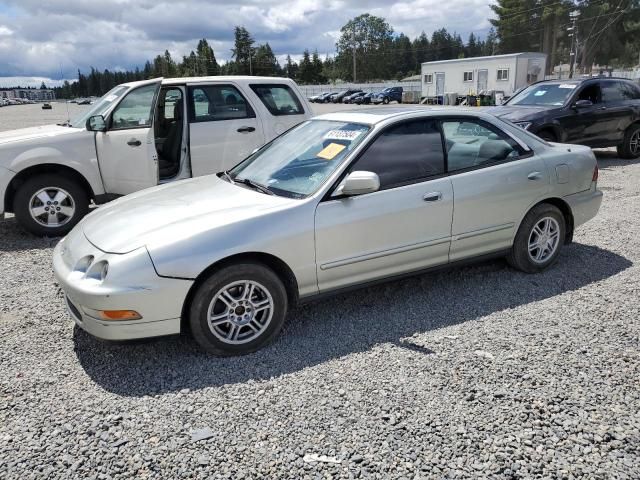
(573, 54)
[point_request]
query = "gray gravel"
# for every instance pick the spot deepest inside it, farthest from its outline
(468, 373)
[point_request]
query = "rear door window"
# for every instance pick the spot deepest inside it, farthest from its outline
(279, 99)
(471, 144)
(619, 91)
(209, 103)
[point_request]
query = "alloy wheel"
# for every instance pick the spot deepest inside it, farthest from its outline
(544, 239)
(52, 207)
(240, 312)
(634, 143)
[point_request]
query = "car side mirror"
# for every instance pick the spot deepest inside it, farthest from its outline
(96, 123)
(583, 104)
(358, 183)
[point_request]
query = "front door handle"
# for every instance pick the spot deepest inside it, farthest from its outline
(134, 142)
(246, 129)
(432, 196)
(534, 176)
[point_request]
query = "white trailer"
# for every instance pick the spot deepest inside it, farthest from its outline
(474, 75)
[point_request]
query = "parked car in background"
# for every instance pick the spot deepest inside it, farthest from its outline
(325, 98)
(364, 99)
(84, 101)
(139, 135)
(597, 112)
(316, 98)
(338, 97)
(46, 106)
(411, 190)
(389, 94)
(352, 98)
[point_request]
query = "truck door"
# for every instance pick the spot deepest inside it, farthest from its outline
(126, 150)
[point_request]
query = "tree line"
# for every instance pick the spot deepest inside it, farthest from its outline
(606, 32)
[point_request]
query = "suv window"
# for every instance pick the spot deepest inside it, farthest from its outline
(471, 144)
(404, 154)
(619, 91)
(279, 99)
(134, 111)
(590, 92)
(210, 103)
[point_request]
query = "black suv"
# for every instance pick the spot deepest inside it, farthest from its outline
(597, 112)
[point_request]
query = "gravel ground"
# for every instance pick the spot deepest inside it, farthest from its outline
(473, 372)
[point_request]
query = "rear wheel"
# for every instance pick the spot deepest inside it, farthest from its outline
(539, 239)
(50, 205)
(238, 310)
(630, 147)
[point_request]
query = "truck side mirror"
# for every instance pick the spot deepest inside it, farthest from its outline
(96, 123)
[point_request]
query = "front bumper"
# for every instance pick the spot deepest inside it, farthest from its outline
(584, 205)
(5, 179)
(131, 284)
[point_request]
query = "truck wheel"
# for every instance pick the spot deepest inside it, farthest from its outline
(50, 205)
(630, 147)
(238, 309)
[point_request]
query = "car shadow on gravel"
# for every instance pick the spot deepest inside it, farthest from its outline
(14, 239)
(343, 325)
(609, 158)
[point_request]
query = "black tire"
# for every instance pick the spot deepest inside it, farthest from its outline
(630, 147)
(385, 100)
(519, 257)
(548, 135)
(199, 308)
(22, 202)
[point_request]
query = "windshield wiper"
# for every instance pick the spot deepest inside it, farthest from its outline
(254, 185)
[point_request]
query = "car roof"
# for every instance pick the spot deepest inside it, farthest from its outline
(375, 115)
(216, 78)
(578, 81)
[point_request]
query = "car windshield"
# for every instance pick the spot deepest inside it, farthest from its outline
(551, 94)
(297, 163)
(101, 106)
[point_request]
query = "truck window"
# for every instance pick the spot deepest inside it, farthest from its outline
(209, 103)
(134, 111)
(279, 99)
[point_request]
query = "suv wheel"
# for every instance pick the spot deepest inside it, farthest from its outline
(50, 205)
(539, 239)
(548, 136)
(238, 310)
(630, 147)
(385, 100)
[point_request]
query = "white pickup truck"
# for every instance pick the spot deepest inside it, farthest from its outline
(139, 135)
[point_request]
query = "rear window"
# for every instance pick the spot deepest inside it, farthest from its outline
(209, 103)
(279, 99)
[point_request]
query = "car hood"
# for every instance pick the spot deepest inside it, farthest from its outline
(516, 113)
(32, 133)
(174, 211)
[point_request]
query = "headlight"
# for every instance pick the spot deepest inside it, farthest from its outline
(523, 125)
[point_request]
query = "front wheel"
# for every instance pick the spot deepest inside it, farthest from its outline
(539, 239)
(385, 100)
(238, 310)
(50, 205)
(630, 147)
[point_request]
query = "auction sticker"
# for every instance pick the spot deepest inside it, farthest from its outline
(570, 86)
(330, 151)
(349, 135)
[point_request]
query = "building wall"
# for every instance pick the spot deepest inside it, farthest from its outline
(454, 82)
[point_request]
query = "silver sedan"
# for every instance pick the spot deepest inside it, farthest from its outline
(339, 201)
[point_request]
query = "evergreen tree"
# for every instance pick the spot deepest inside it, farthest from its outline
(243, 51)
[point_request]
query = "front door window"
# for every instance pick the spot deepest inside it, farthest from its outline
(135, 110)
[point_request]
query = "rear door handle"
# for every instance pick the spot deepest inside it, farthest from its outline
(534, 176)
(246, 129)
(134, 142)
(432, 196)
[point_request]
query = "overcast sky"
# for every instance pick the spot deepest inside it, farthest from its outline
(53, 38)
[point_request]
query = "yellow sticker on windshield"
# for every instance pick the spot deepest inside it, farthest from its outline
(330, 151)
